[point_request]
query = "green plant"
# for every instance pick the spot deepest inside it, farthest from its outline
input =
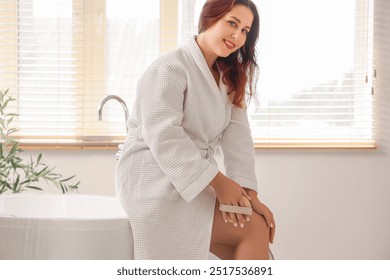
(16, 174)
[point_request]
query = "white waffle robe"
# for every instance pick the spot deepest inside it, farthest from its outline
(180, 117)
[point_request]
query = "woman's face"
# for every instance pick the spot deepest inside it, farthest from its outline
(230, 32)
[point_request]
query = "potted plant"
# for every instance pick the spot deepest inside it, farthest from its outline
(16, 174)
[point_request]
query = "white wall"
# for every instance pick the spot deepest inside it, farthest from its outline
(329, 204)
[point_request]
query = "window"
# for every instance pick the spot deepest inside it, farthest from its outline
(316, 81)
(61, 57)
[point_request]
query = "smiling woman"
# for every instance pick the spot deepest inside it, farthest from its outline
(231, 29)
(189, 103)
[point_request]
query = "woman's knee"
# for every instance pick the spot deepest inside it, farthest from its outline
(227, 233)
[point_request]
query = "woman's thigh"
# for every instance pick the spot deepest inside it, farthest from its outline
(226, 233)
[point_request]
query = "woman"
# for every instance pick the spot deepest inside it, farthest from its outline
(189, 103)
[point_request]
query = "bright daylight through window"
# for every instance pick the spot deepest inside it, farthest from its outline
(61, 57)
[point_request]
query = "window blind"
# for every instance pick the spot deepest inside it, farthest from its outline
(316, 81)
(42, 49)
(61, 57)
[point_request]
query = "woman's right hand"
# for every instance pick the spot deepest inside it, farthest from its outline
(229, 192)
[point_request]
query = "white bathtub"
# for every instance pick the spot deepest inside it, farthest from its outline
(48, 226)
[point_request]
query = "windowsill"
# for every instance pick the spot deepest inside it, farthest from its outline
(102, 143)
(90, 143)
(314, 144)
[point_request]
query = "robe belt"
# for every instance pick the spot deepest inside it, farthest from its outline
(212, 146)
(210, 153)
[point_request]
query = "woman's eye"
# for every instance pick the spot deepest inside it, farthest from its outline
(245, 31)
(232, 23)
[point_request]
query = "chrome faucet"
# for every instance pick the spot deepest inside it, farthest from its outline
(120, 100)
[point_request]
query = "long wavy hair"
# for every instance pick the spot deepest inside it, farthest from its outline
(239, 69)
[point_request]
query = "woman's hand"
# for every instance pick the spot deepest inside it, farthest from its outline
(261, 209)
(229, 192)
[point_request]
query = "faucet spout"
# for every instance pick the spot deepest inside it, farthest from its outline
(117, 98)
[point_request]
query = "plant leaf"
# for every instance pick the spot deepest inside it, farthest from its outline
(16, 183)
(67, 179)
(14, 148)
(6, 184)
(39, 158)
(43, 171)
(63, 188)
(35, 188)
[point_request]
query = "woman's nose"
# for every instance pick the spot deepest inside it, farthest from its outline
(236, 35)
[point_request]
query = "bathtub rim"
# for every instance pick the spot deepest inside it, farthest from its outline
(63, 223)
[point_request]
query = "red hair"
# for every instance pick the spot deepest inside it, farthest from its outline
(240, 67)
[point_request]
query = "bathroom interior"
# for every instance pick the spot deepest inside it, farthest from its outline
(329, 203)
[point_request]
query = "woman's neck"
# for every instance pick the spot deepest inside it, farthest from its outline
(209, 56)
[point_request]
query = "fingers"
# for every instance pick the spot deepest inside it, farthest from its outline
(272, 235)
(225, 216)
(245, 203)
(272, 231)
(269, 218)
(258, 207)
(229, 217)
(245, 194)
(263, 210)
(232, 219)
(235, 218)
(241, 219)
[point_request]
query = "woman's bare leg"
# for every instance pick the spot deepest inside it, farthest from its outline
(229, 242)
(222, 251)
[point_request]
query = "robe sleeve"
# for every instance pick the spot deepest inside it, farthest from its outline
(161, 94)
(238, 151)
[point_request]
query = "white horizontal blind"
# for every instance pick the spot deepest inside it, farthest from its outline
(133, 42)
(61, 57)
(41, 65)
(316, 79)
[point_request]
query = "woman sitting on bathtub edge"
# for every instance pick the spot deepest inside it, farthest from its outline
(189, 103)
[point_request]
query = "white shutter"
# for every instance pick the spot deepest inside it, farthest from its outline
(316, 77)
(61, 57)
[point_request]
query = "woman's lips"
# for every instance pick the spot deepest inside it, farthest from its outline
(230, 45)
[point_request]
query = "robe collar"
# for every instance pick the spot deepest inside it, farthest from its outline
(200, 61)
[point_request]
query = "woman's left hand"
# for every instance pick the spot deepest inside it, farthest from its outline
(261, 209)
